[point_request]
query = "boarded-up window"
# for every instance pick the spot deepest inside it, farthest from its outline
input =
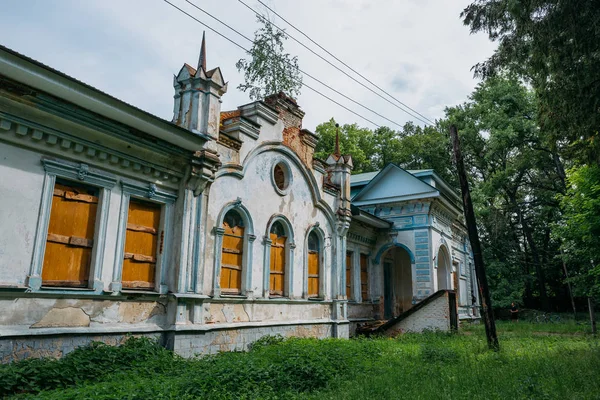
(141, 241)
(277, 273)
(364, 277)
(232, 253)
(313, 265)
(348, 275)
(70, 236)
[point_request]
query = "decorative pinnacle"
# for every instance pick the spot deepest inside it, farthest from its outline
(336, 151)
(202, 58)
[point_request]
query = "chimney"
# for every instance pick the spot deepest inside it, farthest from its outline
(198, 92)
(301, 141)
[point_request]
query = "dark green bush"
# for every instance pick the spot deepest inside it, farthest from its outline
(89, 363)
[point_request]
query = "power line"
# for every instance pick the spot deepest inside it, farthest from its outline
(425, 121)
(246, 50)
(300, 70)
(342, 62)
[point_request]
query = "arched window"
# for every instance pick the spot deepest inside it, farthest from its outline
(313, 264)
(277, 270)
(232, 253)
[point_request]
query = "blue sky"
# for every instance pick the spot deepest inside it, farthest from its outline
(418, 50)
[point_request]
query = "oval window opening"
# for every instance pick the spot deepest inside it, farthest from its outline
(280, 176)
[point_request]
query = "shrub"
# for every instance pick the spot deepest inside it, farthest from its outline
(84, 364)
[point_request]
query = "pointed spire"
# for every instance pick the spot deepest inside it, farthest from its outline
(202, 58)
(336, 151)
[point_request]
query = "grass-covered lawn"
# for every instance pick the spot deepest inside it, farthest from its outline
(553, 361)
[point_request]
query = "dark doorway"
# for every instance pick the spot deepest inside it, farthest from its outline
(388, 293)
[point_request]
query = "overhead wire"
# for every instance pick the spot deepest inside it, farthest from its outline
(336, 58)
(299, 69)
(246, 50)
(424, 120)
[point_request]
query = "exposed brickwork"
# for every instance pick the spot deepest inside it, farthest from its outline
(433, 316)
(301, 141)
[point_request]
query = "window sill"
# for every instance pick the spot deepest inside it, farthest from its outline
(233, 296)
(316, 298)
(129, 292)
(63, 288)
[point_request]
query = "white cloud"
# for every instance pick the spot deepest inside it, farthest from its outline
(131, 49)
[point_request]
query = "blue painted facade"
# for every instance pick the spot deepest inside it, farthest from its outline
(423, 214)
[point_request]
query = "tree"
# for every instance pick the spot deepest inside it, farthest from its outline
(555, 45)
(354, 140)
(579, 228)
(269, 69)
(515, 180)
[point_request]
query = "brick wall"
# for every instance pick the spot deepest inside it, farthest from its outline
(212, 342)
(301, 141)
(433, 316)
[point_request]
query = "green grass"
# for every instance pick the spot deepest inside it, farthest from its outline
(536, 361)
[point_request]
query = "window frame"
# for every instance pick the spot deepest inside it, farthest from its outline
(368, 283)
(288, 176)
(249, 237)
(314, 229)
(76, 172)
(148, 192)
(289, 258)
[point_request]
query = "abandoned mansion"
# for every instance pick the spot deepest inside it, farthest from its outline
(208, 231)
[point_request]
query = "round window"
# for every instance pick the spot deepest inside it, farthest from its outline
(281, 177)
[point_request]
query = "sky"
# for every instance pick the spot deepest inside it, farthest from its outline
(416, 50)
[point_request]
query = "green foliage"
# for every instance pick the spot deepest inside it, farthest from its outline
(267, 340)
(411, 148)
(353, 140)
(83, 365)
(430, 365)
(269, 70)
(553, 44)
(579, 227)
(515, 177)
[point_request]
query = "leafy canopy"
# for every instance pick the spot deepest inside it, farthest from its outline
(555, 45)
(269, 69)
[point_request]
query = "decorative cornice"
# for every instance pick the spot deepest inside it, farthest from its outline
(258, 109)
(204, 165)
(355, 237)
(61, 142)
(148, 191)
(235, 127)
(78, 171)
(230, 142)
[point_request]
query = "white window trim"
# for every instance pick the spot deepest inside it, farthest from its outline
(289, 178)
(147, 192)
(321, 237)
(248, 244)
(76, 172)
(289, 257)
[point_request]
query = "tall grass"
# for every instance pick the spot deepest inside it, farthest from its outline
(530, 365)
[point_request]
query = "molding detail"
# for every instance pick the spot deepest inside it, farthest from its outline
(78, 171)
(355, 237)
(64, 142)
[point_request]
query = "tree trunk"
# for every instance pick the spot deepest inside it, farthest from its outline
(534, 253)
(592, 315)
(484, 292)
(568, 285)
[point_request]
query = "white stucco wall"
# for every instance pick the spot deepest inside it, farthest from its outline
(262, 201)
(21, 181)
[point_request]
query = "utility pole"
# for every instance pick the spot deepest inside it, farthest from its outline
(484, 292)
